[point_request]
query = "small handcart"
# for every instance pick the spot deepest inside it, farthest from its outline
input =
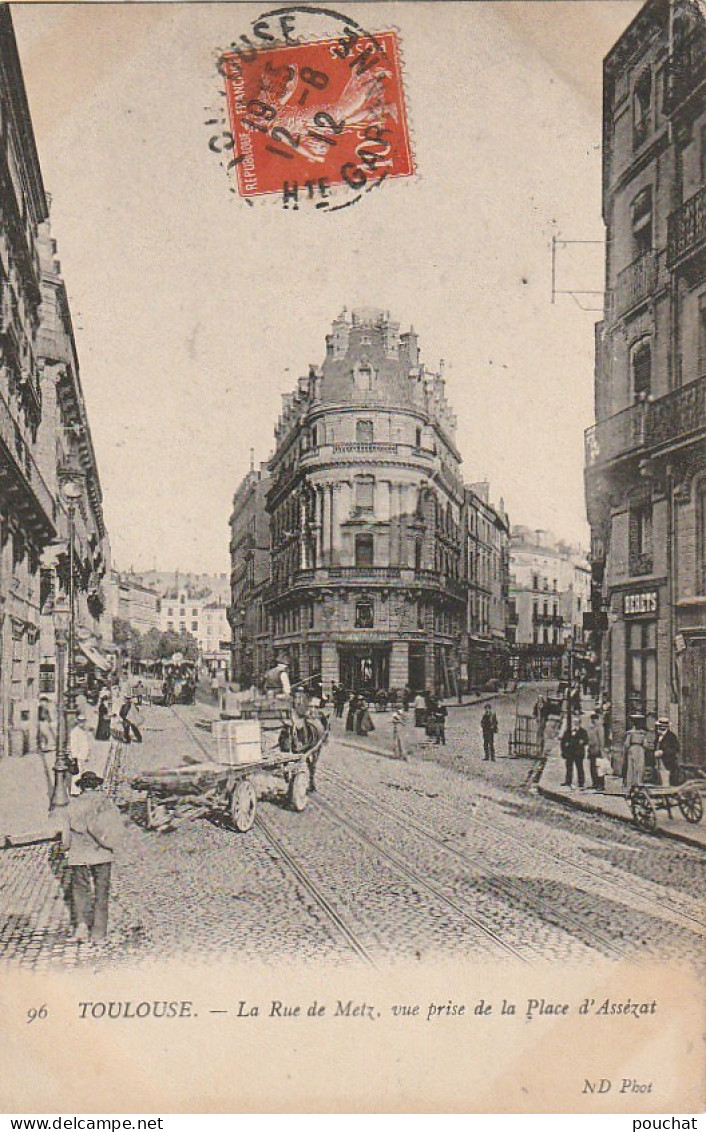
(179, 794)
(645, 801)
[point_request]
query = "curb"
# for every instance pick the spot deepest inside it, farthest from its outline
(592, 808)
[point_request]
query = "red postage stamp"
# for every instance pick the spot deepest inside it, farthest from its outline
(326, 113)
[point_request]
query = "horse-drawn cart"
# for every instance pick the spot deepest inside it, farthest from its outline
(177, 794)
(645, 801)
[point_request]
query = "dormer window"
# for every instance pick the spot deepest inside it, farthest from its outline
(364, 375)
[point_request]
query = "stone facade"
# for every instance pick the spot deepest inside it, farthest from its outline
(550, 591)
(486, 575)
(364, 501)
(251, 649)
(646, 454)
(28, 517)
(66, 455)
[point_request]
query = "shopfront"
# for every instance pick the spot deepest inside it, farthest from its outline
(640, 614)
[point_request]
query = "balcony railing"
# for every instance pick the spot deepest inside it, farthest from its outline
(635, 283)
(367, 575)
(651, 424)
(687, 228)
(687, 68)
(25, 469)
(372, 446)
(677, 415)
(616, 436)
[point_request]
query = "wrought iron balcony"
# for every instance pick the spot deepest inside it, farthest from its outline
(21, 480)
(687, 228)
(672, 419)
(635, 283)
(677, 415)
(616, 436)
(687, 69)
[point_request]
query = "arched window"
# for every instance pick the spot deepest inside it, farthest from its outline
(364, 432)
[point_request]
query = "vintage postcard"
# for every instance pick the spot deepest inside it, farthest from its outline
(353, 557)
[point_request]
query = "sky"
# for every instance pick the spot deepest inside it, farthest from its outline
(194, 313)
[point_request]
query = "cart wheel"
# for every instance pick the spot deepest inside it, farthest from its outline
(691, 805)
(243, 805)
(298, 791)
(643, 812)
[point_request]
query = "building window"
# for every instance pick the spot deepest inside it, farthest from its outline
(535, 581)
(364, 493)
(314, 437)
(701, 537)
(365, 377)
(641, 368)
(46, 589)
(641, 108)
(364, 432)
(182, 599)
(640, 538)
(702, 331)
(194, 625)
(364, 551)
(641, 214)
(418, 438)
(641, 670)
(364, 615)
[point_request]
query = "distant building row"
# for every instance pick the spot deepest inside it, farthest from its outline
(196, 604)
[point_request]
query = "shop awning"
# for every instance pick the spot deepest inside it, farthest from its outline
(96, 658)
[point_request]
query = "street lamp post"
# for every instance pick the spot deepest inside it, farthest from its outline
(60, 793)
(65, 631)
(72, 493)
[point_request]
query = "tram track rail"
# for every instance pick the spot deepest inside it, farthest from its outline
(332, 916)
(454, 904)
(635, 890)
(510, 891)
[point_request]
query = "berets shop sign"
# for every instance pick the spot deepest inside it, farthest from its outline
(645, 603)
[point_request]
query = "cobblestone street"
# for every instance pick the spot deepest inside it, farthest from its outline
(441, 854)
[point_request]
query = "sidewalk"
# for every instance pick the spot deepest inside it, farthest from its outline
(613, 805)
(26, 786)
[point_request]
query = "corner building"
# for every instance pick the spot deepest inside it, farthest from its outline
(646, 455)
(365, 501)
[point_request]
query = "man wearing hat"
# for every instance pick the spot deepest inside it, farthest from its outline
(93, 832)
(277, 679)
(668, 750)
